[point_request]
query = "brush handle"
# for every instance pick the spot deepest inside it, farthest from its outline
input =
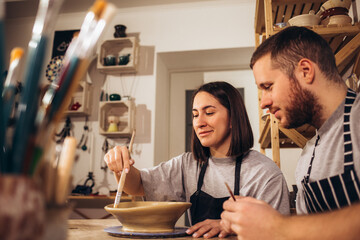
(120, 189)
(66, 161)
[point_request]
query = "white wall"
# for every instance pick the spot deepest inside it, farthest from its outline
(161, 28)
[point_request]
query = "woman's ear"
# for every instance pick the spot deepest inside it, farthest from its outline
(305, 71)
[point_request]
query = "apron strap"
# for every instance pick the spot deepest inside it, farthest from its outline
(201, 176)
(348, 156)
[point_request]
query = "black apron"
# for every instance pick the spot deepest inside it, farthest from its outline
(340, 190)
(204, 206)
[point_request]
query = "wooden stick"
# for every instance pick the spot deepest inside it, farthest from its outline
(231, 193)
(121, 182)
(66, 161)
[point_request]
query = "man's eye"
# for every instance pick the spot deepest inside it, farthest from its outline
(267, 87)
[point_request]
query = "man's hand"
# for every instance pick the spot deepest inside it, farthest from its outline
(250, 218)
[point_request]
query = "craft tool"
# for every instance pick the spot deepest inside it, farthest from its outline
(26, 112)
(76, 62)
(121, 182)
(8, 97)
(2, 60)
(231, 193)
(64, 167)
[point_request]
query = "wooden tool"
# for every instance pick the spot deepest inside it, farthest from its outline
(66, 161)
(121, 182)
(231, 193)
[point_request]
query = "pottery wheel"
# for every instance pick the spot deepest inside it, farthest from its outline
(117, 232)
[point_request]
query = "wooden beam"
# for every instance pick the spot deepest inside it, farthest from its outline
(347, 53)
(275, 140)
(295, 136)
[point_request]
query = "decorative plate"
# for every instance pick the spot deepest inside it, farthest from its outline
(53, 68)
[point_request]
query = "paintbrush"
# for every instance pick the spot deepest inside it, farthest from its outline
(231, 193)
(121, 182)
(64, 167)
(2, 66)
(8, 97)
(58, 97)
(26, 112)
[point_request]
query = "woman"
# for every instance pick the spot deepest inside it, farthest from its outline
(221, 152)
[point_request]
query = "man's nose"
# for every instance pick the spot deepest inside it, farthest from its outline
(265, 100)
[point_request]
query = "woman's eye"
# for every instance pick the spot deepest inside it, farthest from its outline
(209, 113)
(195, 115)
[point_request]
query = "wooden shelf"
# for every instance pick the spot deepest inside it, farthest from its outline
(82, 97)
(125, 110)
(288, 138)
(344, 41)
(119, 47)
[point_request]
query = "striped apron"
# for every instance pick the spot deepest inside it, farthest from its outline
(340, 190)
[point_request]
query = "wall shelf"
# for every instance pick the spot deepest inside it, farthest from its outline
(119, 47)
(344, 40)
(125, 110)
(81, 97)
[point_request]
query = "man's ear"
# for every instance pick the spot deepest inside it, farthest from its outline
(305, 71)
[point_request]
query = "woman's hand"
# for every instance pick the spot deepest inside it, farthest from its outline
(118, 159)
(207, 229)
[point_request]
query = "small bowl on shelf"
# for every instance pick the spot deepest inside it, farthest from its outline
(148, 216)
(304, 20)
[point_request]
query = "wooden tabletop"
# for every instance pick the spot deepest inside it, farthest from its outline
(88, 229)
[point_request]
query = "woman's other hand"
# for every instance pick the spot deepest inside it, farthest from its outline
(207, 229)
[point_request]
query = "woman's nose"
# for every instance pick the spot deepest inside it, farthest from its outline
(199, 121)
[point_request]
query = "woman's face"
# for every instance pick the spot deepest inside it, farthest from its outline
(211, 124)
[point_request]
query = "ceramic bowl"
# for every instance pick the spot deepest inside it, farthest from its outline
(148, 216)
(340, 20)
(336, 3)
(305, 20)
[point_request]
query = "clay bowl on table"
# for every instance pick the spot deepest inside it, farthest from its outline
(148, 216)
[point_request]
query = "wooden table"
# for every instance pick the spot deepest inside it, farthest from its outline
(88, 229)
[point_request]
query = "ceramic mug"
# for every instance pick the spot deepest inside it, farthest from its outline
(109, 60)
(115, 97)
(124, 59)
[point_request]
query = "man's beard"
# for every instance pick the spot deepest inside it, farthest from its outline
(303, 108)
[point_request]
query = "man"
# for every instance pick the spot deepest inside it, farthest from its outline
(296, 71)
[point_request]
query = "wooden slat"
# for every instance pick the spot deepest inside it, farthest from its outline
(356, 68)
(307, 8)
(296, 1)
(289, 11)
(295, 136)
(275, 144)
(259, 17)
(265, 138)
(347, 52)
(280, 14)
(297, 10)
(268, 18)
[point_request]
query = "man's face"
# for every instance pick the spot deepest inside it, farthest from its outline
(285, 98)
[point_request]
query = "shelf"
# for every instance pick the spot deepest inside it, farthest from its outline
(344, 41)
(338, 36)
(288, 138)
(81, 97)
(124, 110)
(119, 47)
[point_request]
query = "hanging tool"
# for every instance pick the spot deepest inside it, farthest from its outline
(84, 137)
